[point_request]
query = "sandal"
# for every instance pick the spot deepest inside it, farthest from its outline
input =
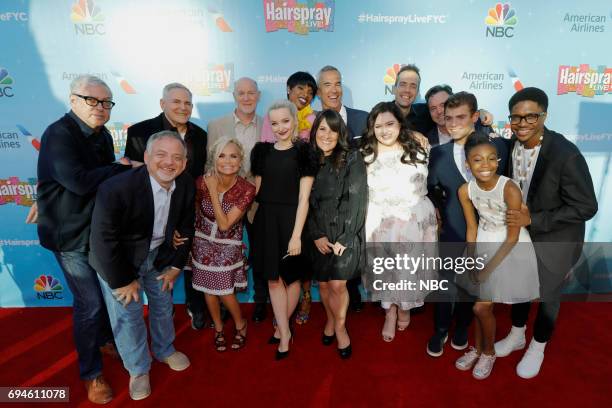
(402, 324)
(303, 314)
(388, 331)
(240, 337)
(220, 344)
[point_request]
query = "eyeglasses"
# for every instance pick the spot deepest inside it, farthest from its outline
(91, 101)
(530, 118)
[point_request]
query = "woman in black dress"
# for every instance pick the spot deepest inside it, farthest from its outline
(338, 203)
(284, 172)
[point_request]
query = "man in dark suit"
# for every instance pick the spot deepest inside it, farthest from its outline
(76, 156)
(132, 229)
(329, 82)
(559, 197)
(176, 108)
(436, 98)
(448, 172)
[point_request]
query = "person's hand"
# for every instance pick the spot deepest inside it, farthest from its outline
(483, 274)
(125, 161)
(518, 218)
(322, 245)
(168, 276)
(338, 248)
(295, 246)
(211, 182)
(486, 117)
(439, 220)
(494, 135)
(177, 241)
(128, 293)
(32, 216)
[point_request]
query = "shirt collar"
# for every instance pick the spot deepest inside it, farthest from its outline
(87, 131)
(343, 114)
(170, 126)
(156, 187)
(237, 120)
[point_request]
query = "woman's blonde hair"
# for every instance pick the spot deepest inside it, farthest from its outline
(215, 151)
(285, 104)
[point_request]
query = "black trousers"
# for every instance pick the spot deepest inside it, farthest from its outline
(454, 302)
(260, 284)
(194, 300)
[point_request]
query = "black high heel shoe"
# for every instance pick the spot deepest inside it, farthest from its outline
(273, 340)
(346, 352)
(282, 354)
(327, 340)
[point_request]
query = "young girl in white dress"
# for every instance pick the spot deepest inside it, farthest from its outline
(510, 273)
(400, 218)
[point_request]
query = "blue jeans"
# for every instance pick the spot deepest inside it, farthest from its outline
(91, 324)
(128, 321)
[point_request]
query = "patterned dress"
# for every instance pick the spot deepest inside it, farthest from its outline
(401, 220)
(217, 261)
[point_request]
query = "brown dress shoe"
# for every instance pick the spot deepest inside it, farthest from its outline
(98, 390)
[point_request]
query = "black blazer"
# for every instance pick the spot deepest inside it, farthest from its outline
(195, 139)
(122, 226)
(357, 123)
(443, 182)
(71, 166)
(561, 199)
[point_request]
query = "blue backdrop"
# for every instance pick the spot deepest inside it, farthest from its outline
(484, 47)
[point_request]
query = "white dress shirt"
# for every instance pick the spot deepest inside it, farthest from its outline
(161, 203)
(459, 155)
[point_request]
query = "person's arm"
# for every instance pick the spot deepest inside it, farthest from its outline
(185, 225)
(469, 212)
(295, 243)
(513, 198)
(224, 221)
(67, 165)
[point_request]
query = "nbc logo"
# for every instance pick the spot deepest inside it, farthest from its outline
(48, 288)
(500, 21)
(87, 18)
(390, 78)
(5, 83)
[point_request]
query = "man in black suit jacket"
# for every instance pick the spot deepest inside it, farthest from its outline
(132, 229)
(329, 82)
(176, 108)
(76, 156)
(447, 172)
(559, 197)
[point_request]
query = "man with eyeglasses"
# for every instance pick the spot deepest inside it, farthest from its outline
(176, 104)
(559, 198)
(76, 156)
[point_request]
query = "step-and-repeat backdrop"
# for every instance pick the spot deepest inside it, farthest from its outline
(137, 46)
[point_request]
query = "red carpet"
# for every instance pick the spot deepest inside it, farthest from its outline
(37, 350)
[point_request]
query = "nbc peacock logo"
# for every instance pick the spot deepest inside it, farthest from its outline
(48, 287)
(87, 18)
(390, 78)
(501, 21)
(6, 90)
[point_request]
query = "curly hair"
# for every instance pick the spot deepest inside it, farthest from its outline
(335, 124)
(412, 148)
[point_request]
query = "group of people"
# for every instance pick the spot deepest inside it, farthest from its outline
(306, 191)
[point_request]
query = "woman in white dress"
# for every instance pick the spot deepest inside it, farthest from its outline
(400, 219)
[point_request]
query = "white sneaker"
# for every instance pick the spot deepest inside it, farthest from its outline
(467, 361)
(177, 361)
(515, 340)
(483, 367)
(530, 364)
(140, 387)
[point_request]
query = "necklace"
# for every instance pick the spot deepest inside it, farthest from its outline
(520, 170)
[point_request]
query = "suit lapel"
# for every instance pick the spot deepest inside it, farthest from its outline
(147, 200)
(541, 164)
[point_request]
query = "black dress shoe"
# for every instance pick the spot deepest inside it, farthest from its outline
(198, 321)
(260, 312)
(345, 352)
(327, 340)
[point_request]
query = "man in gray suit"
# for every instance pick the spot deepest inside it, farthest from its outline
(245, 125)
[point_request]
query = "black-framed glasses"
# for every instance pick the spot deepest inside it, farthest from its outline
(91, 101)
(530, 118)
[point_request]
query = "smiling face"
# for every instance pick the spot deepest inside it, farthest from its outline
(528, 134)
(166, 161)
(326, 138)
(246, 96)
(282, 123)
(177, 106)
(460, 122)
(300, 95)
(436, 107)
(386, 130)
(406, 89)
(330, 90)
(482, 162)
(93, 116)
(229, 160)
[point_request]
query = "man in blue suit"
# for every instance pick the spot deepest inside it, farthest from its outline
(447, 172)
(329, 82)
